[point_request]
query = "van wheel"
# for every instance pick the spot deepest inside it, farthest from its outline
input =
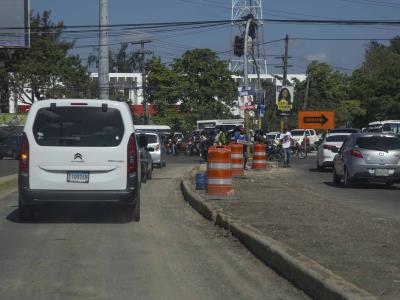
(25, 212)
(129, 212)
(164, 163)
(136, 210)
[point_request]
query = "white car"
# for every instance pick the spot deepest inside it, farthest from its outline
(273, 137)
(298, 136)
(157, 149)
(79, 151)
(329, 148)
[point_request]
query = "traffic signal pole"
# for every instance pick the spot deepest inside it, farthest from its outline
(246, 78)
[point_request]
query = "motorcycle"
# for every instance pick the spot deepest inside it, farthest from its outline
(302, 149)
(274, 153)
(192, 148)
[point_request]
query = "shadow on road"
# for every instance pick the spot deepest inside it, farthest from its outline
(325, 170)
(365, 186)
(73, 213)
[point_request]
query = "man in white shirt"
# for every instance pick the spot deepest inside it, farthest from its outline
(286, 141)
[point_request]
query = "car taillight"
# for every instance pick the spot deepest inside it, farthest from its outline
(158, 147)
(132, 154)
(24, 155)
(356, 153)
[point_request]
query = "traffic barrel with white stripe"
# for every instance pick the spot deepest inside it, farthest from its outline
(237, 159)
(259, 161)
(219, 172)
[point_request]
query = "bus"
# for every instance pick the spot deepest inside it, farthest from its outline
(226, 125)
(387, 126)
(163, 130)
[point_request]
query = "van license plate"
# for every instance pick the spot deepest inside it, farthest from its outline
(381, 172)
(78, 177)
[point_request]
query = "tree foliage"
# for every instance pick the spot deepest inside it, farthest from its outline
(376, 83)
(198, 81)
(46, 67)
(370, 93)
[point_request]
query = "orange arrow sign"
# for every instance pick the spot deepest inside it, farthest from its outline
(316, 119)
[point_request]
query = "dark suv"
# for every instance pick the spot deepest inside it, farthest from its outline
(9, 146)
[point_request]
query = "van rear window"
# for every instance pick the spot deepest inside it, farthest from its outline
(151, 138)
(78, 127)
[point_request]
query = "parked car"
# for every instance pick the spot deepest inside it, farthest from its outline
(157, 149)
(329, 147)
(298, 136)
(9, 146)
(273, 137)
(145, 158)
(368, 157)
(79, 151)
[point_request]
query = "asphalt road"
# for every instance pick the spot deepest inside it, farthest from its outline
(376, 198)
(8, 167)
(85, 252)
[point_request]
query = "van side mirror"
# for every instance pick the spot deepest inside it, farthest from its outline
(143, 141)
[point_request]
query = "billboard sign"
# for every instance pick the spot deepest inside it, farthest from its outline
(284, 100)
(14, 23)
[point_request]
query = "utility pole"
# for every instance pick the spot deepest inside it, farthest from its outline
(285, 60)
(285, 67)
(103, 50)
(307, 91)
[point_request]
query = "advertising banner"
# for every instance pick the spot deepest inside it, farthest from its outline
(284, 100)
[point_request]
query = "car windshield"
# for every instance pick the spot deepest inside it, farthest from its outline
(336, 138)
(151, 138)
(383, 143)
(297, 132)
(78, 127)
(271, 136)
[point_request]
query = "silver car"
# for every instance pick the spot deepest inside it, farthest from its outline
(368, 157)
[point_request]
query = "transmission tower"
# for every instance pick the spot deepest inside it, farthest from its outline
(242, 10)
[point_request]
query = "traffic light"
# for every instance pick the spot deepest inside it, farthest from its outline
(238, 47)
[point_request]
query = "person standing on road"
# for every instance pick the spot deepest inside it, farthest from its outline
(243, 139)
(286, 140)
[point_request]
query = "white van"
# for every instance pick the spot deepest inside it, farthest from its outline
(387, 126)
(79, 151)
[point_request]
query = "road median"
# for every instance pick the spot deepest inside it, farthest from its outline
(7, 182)
(307, 274)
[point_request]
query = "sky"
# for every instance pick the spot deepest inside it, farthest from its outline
(342, 55)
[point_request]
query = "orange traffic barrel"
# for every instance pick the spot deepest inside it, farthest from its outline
(219, 172)
(259, 162)
(237, 159)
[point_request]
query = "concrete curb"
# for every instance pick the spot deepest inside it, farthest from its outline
(306, 274)
(8, 181)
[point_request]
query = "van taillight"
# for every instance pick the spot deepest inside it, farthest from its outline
(132, 154)
(24, 155)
